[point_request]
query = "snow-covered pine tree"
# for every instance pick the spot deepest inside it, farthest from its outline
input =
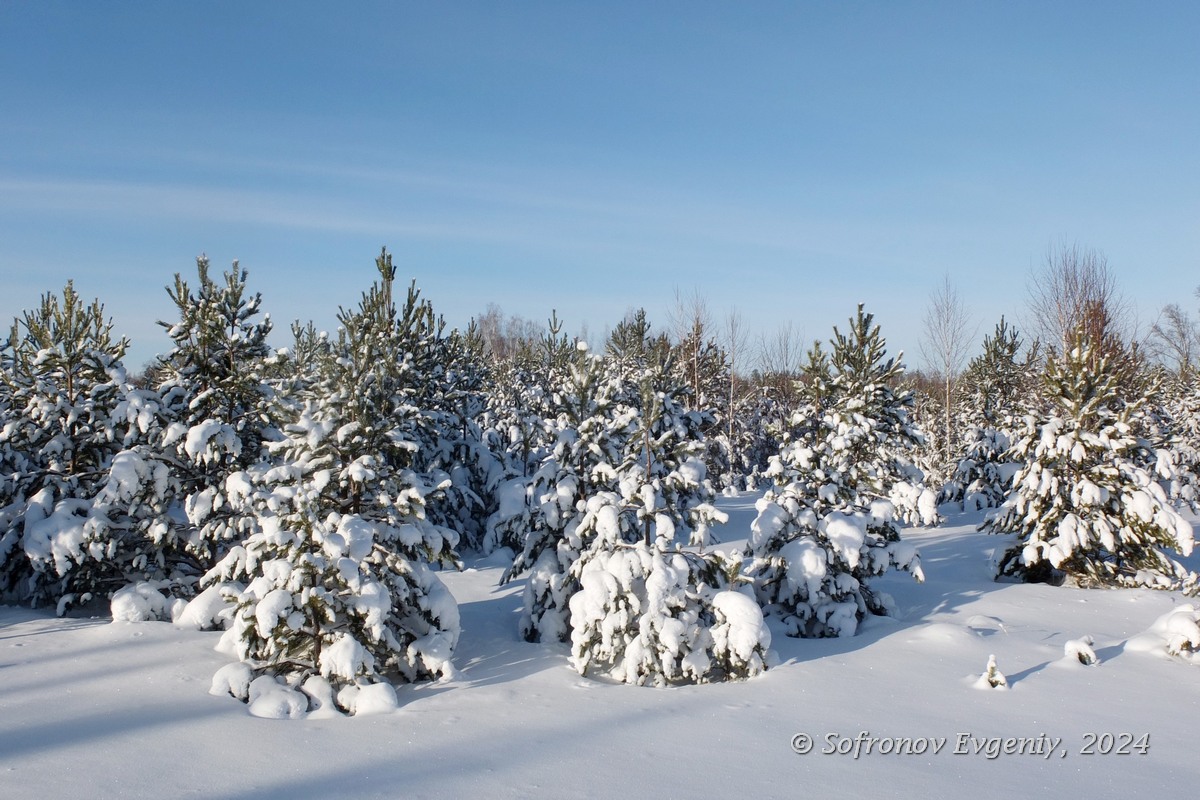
(340, 588)
(213, 385)
(591, 433)
(758, 427)
(73, 526)
(703, 367)
(11, 463)
(647, 611)
(663, 476)
(452, 404)
(828, 527)
(1083, 504)
(997, 391)
(631, 347)
(1176, 438)
(868, 386)
(653, 614)
(520, 433)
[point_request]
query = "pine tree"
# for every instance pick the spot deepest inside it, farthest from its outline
(451, 402)
(591, 430)
(663, 477)
(631, 348)
(1174, 430)
(828, 526)
(644, 610)
(519, 432)
(1083, 505)
(213, 384)
(338, 570)
(654, 614)
(997, 393)
(74, 527)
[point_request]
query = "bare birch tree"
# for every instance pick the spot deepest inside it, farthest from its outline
(691, 326)
(737, 344)
(779, 360)
(948, 335)
(1175, 337)
(1075, 293)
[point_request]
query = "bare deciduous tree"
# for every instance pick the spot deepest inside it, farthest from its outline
(1075, 294)
(1175, 336)
(504, 336)
(691, 326)
(947, 338)
(779, 360)
(737, 343)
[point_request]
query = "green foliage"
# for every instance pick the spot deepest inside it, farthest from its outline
(72, 413)
(339, 583)
(214, 390)
(1083, 505)
(828, 528)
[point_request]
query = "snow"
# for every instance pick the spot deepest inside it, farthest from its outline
(277, 603)
(270, 699)
(740, 626)
(197, 443)
(806, 564)
(54, 534)
(140, 602)
(81, 700)
(345, 658)
(374, 698)
(1081, 650)
(846, 533)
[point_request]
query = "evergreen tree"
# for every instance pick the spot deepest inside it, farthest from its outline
(591, 430)
(213, 384)
(519, 431)
(663, 476)
(828, 527)
(652, 613)
(631, 347)
(1083, 504)
(1174, 429)
(451, 405)
(339, 583)
(74, 528)
(997, 393)
(644, 610)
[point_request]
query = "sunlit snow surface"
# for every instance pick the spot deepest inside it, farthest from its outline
(95, 709)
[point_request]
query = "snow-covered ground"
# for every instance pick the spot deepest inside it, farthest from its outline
(90, 708)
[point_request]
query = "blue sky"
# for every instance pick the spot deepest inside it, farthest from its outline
(785, 159)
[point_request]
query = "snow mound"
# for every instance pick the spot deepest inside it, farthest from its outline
(372, 698)
(271, 699)
(233, 679)
(1176, 633)
(1081, 650)
(208, 610)
(142, 602)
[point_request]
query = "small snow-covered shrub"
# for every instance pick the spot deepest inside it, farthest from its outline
(645, 616)
(142, 602)
(1182, 631)
(992, 677)
(1081, 650)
